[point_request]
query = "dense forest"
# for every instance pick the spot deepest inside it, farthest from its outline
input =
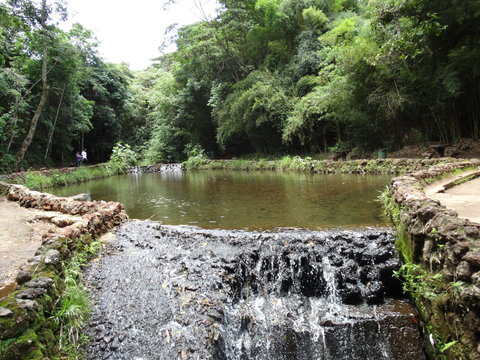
(267, 77)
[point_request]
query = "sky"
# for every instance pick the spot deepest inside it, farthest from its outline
(132, 31)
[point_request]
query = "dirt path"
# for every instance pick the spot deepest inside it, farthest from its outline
(21, 232)
(464, 198)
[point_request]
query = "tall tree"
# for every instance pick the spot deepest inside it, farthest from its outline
(39, 17)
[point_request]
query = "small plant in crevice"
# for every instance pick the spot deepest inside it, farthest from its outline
(418, 282)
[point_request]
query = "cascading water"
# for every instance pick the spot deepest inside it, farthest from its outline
(166, 292)
(301, 306)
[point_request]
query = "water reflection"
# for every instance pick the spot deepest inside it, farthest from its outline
(250, 200)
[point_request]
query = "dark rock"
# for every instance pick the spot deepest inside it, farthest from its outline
(470, 295)
(351, 294)
(23, 277)
(463, 271)
(374, 293)
(335, 259)
(473, 259)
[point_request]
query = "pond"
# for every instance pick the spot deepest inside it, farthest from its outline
(243, 200)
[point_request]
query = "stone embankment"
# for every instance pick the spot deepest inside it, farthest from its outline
(448, 248)
(25, 329)
(296, 163)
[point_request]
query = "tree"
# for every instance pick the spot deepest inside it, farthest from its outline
(38, 16)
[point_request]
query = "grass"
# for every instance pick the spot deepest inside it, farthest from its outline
(73, 307)
(40, 181)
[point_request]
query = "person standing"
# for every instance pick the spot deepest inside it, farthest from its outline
(78, 158)
(84, 155)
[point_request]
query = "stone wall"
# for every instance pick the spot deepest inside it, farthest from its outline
(361, 166)
(435, 238)
(25, 327)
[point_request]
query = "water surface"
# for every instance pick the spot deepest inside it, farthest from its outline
(237, 199)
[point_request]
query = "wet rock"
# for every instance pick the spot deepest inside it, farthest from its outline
(351, 294)
(52, 257)
(5, 313)
(374, 293)
(190, 292)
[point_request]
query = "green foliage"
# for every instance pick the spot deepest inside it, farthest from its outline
(165, 145)
(264, 76)
(7, 163)
(420, 283)
(122, 158)
(255, 111)
(196, 157)
(41, 181)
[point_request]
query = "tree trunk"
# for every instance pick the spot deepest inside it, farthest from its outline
(50, 135)
(43, 99)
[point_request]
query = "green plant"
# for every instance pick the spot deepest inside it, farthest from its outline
(418, 282)
(36, 181)
(196, 157)
(122, 158)
(7, 163)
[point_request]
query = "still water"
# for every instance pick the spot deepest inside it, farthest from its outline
(243, 200)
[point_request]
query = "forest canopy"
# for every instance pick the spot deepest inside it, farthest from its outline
(268, 77)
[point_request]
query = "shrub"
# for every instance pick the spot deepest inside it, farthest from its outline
(196, 156)
(122, 158)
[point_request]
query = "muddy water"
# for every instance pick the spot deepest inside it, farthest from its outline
(170, 292)
(243, 200)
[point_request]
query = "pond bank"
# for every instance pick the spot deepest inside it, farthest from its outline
(362, 166)
(27, 329)
(442, 254)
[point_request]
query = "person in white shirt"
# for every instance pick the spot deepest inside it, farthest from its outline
(84, 155)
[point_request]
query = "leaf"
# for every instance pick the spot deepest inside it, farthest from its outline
(448, 345)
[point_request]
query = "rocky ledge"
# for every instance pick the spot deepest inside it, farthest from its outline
(442, 244)
(24, 324)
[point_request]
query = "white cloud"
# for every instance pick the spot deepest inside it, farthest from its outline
(132, 31)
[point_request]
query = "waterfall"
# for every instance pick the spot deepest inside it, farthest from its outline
(317, 304)
(167, 292)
